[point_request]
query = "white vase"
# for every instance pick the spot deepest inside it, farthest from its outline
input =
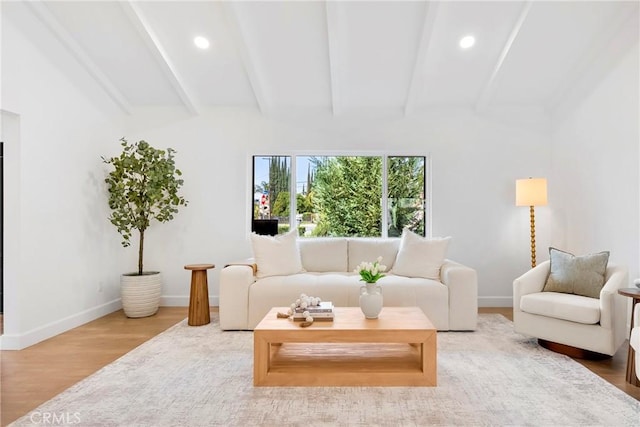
(371, 300)
(141, 294)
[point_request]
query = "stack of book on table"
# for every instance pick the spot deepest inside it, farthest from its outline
(324, 311)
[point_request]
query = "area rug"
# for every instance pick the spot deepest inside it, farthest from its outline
(201, 376)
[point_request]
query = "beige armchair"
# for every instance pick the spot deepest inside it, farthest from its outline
(572, 324)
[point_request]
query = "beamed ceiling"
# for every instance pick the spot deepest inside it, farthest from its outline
(337, 56)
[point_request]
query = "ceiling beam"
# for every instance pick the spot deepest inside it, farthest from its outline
(253, 73)
(490, 86)
(336, 39)
(45, 16)
(136, 16)
(417, 76)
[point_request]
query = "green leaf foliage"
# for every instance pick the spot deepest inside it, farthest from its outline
(406, 194)
(281, 205)
(346, 193)
(143, 186)
(279, 178)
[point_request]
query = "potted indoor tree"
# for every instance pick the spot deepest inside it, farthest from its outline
(143, 186)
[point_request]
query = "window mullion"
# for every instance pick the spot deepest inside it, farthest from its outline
(293, 191)
(384, 202)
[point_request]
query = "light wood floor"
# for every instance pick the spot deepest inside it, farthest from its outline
(34, 375)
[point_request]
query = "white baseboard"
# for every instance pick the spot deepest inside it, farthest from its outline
(34, 336)
(183, 301)
(495, 301)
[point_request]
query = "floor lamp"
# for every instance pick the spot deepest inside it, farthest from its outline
(531, 192)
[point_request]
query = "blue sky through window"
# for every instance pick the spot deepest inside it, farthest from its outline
(261, 171)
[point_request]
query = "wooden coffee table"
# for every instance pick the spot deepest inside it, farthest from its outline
(397, 349)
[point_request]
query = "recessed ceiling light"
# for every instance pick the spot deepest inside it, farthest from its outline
(467, 41)
(201, 42)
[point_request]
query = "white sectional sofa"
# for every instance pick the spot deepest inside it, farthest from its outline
(327, 272)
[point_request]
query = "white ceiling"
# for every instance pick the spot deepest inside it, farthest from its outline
(338, 56)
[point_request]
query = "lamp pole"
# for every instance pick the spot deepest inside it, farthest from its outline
(531, 192)
(533, 236)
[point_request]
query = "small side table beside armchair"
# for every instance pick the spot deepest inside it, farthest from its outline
(633, 356)
(634, 342)
(199, 296)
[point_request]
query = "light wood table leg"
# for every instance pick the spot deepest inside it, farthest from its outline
(261, 359)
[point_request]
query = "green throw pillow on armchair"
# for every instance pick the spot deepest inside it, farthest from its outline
(580, 275)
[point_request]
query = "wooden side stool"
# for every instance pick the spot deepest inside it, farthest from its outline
(199, 296)
(631, 377)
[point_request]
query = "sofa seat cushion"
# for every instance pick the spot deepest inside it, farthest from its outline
(343, 289)
(575, 308)
(412, 291)
(333, 287)
(281, 291)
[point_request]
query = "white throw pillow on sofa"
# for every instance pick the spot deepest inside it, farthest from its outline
(276, 255)
(420, 257)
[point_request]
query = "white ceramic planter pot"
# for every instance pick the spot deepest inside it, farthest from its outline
(141, 294)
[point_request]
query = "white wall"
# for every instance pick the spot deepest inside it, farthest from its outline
(594, 190)
(65, 259)
(61, 269)
(475, 164)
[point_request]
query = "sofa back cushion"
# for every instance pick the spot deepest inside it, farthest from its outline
(369, 249)
(419, 256)
(580, 275)
(278, 255)
(324, 254)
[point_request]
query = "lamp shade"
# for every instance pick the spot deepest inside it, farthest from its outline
(531, 192)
